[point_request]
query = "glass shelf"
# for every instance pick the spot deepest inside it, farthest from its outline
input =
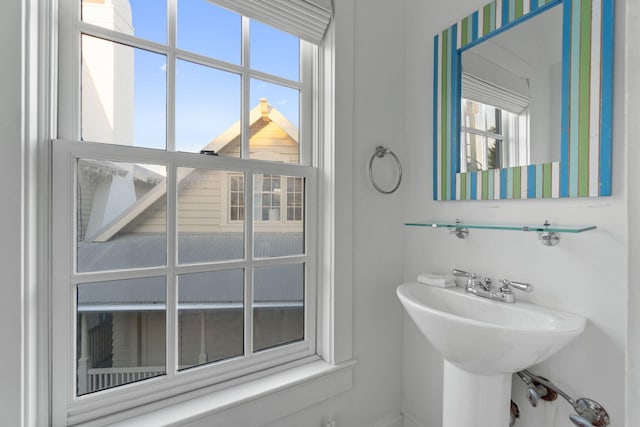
(508, 227)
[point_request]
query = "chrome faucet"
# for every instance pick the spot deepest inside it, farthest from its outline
(481, 286)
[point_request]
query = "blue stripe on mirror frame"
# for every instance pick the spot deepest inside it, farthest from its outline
(450, 189)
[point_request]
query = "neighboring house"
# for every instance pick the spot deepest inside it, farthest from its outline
(118, 318)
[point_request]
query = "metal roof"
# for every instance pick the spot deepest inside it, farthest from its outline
(150, 250)
(274, 286)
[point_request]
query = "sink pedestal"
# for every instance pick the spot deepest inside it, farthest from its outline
(474, 400)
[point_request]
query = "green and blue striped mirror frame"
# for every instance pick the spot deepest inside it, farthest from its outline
(585, 165)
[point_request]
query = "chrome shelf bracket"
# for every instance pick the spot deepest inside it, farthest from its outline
(460, 231)
(549, 238)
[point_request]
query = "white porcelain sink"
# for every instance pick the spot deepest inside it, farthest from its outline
(487, 337)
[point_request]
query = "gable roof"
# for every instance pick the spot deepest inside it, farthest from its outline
(263, 111)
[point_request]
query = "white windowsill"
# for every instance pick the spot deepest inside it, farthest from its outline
(265, 399)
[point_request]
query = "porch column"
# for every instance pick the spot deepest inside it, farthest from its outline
(202, 357)
(84, 362)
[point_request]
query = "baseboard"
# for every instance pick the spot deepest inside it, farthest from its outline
(394, 422)
(410, 421)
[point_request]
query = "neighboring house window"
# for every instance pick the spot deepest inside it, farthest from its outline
(267, 197)
(295, 199)
(236, 197)
(180, 127)
(269, 201)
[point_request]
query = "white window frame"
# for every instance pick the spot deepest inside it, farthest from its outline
(66, 407)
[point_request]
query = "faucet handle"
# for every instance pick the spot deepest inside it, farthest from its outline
(461, 273)
(508, 284)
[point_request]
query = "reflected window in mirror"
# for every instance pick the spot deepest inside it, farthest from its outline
(492, 138)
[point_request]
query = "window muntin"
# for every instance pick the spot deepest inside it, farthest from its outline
(165, 155)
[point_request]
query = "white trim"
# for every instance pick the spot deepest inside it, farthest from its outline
(410, 421)
(336, 160)
(266, 399)
(396, 421)
(97, 307)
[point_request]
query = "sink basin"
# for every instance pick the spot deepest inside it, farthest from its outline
(487, 337)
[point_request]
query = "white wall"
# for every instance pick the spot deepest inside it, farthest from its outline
(586, 273)
(370, 100)
(633, 154)
(11, 170)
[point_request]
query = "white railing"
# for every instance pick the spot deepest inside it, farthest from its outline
(102, 378)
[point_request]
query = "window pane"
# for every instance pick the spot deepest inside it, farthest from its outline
(494, 153)
(278, 219)
(209, 30)
(473, 115)
(210, 317)
(274, 51)
(473, 156)
(205, 232)
(120, 215)
(278, 305)
(275, 137)
(123, 94)
(121, 330)
(494, 119)
(207, 110)
(142, 18)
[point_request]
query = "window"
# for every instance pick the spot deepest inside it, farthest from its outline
(492, 138)
(185, 159)
(494, 124)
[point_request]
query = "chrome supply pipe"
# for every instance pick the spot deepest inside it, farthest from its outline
(590, 412)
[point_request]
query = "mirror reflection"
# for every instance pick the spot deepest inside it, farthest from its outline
(511, 86)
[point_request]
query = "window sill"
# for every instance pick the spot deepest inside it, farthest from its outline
(265, 399)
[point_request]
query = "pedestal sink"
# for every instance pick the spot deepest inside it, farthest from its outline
(483, 342)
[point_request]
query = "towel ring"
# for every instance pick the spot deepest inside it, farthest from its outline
(380, 153)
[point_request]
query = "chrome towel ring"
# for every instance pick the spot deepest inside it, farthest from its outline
(380, 153)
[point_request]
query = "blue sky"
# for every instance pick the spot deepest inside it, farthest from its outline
(207, 100)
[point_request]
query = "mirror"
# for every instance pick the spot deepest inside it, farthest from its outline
(523, 101)
(510, 96)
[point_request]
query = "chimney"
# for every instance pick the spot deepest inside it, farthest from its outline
(264, 109)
